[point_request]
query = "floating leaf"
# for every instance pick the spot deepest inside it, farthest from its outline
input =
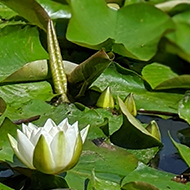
(21, 45)
(183, 150)
(169, 5)
(132, 134)
(155, 178)
(123, 81)
(118, 29)
(2, 106)
(138, 185)
(156, 73)
(101, 184)
(6, 152)
(180, 37)
(30, 10)
(110, 163)
(184, 107)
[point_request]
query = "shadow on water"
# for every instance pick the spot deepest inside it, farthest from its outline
(170, 160)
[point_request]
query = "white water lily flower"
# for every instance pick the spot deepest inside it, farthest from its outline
(50, 149)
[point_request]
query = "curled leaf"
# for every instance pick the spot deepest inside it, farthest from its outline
(130, 103)
(87, 72)
(106, 99)
(153, 129)
(56, 64)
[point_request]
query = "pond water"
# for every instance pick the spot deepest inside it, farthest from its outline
(169, 159)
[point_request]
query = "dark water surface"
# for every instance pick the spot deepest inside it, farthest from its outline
(170, 160)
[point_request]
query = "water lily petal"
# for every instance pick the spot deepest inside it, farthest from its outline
(54, 131)
(71, 135)
(35, 135)
(49, 124)
(64, 125)
(47, 136)
(76, 153)
(75, 126)
(43, 159)
(84, 133)
(58, 148)
(26, 148)
(14, 144)
(27, 130)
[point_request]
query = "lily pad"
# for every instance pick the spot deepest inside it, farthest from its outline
(157, 73)
(6, 152)
(184, 107)
(21, 45)
(123, 81)
(30, 10)
(180, 37)
(118, 29)
(153, 179)
(109, 163)
(183, 150)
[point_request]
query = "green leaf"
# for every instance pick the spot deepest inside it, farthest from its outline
(20, 45)
(138, 185)
(19, 95)
(105, 100)
(130, 104)
(155, 178)
(36, 70)
(4, 187)
(118, 29)
(30, 10)
(144, 155)
(169, 6)
(132, 134)
(183, 150)
(41, 181)
(2, 106)
(16, 94)
(182, 81)
(156, 73)
(6, 12)
(128, 81)
(55, 9)
(180, 37)
(33, 71)
(91, 31)
(149, 21)
(6, 152)
(101, 184)
(161, 76)
(110, 163)
(184, 107)
(87, 72)
(154, 130)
